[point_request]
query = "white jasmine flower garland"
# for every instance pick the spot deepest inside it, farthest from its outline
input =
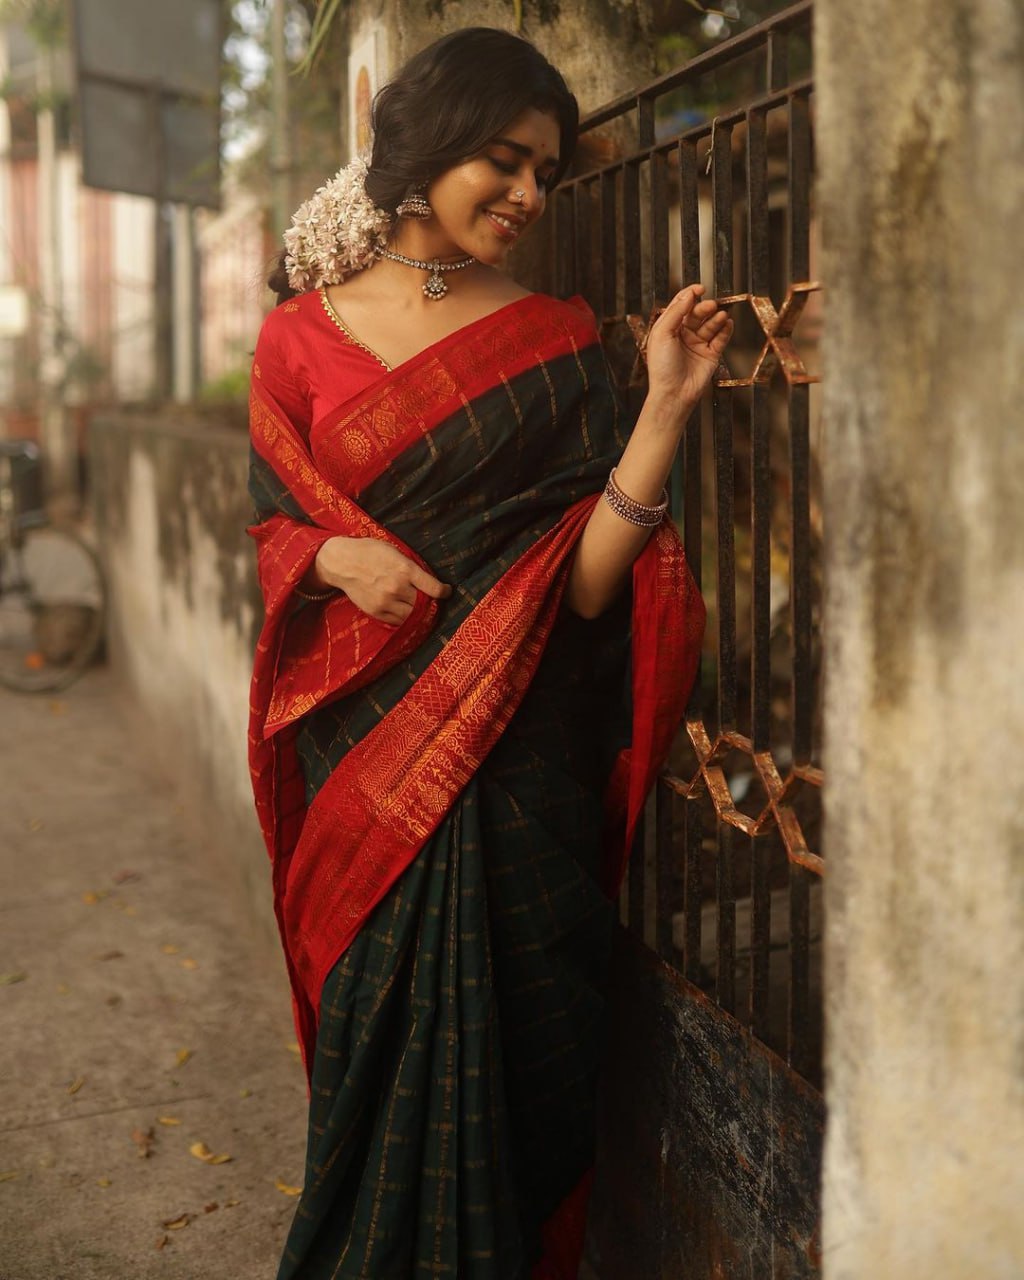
(338, 231)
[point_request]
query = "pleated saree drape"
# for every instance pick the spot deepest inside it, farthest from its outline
(448, 804)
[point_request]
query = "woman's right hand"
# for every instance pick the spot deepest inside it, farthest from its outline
(376, 577)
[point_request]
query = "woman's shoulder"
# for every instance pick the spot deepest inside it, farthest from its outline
(290, 315)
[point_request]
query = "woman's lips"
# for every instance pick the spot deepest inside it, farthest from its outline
(504, 227)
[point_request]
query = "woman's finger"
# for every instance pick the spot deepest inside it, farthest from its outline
(430, 585)
(680, 306)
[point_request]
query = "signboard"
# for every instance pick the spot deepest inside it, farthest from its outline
(149, 97)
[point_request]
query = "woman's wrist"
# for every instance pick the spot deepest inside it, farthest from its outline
(665, 411)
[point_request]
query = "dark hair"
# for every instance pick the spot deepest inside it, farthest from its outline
(449, 101)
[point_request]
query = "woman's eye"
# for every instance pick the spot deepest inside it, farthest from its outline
(502, 166)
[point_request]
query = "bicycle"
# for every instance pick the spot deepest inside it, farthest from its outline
(52, 589)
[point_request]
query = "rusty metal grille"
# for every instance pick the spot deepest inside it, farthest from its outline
(707, 174)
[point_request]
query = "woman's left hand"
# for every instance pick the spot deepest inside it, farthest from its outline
(684, 347)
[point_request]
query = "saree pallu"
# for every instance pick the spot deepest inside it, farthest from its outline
(448, 804)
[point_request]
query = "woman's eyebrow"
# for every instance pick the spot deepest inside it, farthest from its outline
(522, 149)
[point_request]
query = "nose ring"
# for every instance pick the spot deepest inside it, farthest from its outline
(520, 197)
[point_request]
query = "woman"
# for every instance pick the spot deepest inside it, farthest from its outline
(455, 721)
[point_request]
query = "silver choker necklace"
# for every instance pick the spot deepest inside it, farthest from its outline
(435, 288)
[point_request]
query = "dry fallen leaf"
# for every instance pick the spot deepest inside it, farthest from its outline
(286, 1189)
(294, 1047)
(143, 1139)
(161, 1242)
(245, 1093)
(10, 1175)
(182, 1057)
(63, 989)
(35, 824)
(90, 898)
(76, 1084)
(189, 963)
(104, 1182)
(176, 1224)
(230, 1204)
(169, 949)
(57, 707)
(209, 1208)
(167, 1120)
(122, 877)
(114, 1000)
(9, 979)
(202, 1152)
(111, 955)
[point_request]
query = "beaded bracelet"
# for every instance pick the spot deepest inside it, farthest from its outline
(317, 595)
(627, 508)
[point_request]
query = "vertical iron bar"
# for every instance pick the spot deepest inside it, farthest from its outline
(644, 122)
(725, 979)
(582, 206)
(761, 566)
(565, 255)
(799, 187)
(665, 894)
(760, 430)
(693, 888)
(721, 185)
(726, 560)
(687, 473)
(799, 967)
(609, 247)
(800, 571)
(799, 440)
(659, 228)
(760, 932)
(721, 198)
(632, 248)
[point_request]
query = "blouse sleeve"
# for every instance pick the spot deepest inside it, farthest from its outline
(280, 379)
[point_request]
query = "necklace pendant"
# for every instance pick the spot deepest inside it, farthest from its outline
(435, 288)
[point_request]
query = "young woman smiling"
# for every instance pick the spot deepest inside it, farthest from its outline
(480, 635)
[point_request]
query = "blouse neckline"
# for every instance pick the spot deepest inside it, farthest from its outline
(337, 320)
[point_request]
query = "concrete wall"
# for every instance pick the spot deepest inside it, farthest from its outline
(921, 146)
(172, 508)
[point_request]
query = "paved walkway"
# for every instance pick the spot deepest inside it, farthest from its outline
(135, 1022)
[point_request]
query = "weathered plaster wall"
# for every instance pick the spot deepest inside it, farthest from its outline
(602, 47)
(921, 147)
(171, 507)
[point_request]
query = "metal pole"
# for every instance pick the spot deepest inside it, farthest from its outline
(184, 274)
(60, 460)
(280, 154)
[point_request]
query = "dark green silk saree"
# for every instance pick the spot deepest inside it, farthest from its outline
(448, 804)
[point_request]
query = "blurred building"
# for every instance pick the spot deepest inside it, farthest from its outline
(105, 267)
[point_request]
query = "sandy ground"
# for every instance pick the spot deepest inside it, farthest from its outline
(136, 1020)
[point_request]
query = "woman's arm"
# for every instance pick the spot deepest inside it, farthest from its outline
(683, 351)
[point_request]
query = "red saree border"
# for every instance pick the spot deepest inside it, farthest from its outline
(360, 438)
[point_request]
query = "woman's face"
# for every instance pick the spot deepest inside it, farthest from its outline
(476, 209)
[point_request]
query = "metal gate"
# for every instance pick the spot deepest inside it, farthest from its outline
(707, 174)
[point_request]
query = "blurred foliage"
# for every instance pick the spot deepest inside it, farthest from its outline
(46, 21)
(681, 36)
(314, 100)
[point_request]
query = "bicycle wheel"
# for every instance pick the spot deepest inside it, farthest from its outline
(52, 605)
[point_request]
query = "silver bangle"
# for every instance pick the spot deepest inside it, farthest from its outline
(627, 508)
